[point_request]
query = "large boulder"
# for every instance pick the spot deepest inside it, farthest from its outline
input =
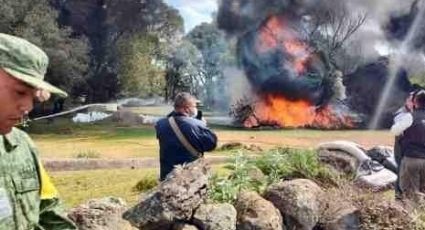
(299, 201)
(100, 214)
(339, 160)
(176, 198)
(256, 213)
(215, 217)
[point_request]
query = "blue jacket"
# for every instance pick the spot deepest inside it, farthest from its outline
(172, 151)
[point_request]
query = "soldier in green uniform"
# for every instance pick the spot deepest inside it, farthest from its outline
(28, 199)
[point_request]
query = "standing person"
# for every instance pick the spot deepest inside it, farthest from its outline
(187, 140)
(28, 199)
(412, 146)
(396, 128)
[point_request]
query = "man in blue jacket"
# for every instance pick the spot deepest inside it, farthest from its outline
(172, 151)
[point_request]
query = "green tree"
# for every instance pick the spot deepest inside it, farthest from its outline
(184, 71)
(117, 21)
(212, 44)
(141, 72)
(147, 16)
(35, 20)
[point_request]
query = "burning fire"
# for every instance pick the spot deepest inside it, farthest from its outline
(276, 34)
(279, 36)
(276, 110)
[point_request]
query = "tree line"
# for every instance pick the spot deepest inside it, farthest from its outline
(109, 49)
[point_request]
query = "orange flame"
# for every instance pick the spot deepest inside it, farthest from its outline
(279, 111)
(276, 34)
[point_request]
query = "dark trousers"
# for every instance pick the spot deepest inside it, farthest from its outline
(412, 178)
(397, 156)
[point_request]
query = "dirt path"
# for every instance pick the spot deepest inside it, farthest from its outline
(91, 164)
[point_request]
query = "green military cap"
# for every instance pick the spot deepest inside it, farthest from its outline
(26, 62)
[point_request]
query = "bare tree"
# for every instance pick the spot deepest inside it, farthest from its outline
(330, 29)
(244, 109)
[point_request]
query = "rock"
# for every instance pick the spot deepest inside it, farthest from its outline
(176, 198)
(339, 160)
(299, 202)
(215, 217)
(184, 226)
(378, 213)
(256, 213)
(101, 214)
(339, 213)
(345, 219)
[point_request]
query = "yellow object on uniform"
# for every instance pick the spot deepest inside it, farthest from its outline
(48, 190)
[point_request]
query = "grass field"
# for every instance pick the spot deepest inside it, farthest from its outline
(79, 186)
(106, 140)
(61, 139)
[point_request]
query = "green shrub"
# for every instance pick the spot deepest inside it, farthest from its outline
(146, 183)
(286, 163)
(273, 165)
(226, 189)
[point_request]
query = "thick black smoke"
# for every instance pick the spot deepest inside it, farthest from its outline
(399, 26)
(271, 71)
(241, 16)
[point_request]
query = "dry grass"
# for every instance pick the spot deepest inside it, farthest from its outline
(301, 138)
(64, 140)
(78, 187)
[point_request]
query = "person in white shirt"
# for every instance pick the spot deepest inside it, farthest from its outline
(410, 129)
(402, 119)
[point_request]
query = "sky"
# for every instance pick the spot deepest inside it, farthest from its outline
(194, 12)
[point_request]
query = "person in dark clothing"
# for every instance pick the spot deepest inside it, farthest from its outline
(172, 151)
(412, 146)
(407, 108)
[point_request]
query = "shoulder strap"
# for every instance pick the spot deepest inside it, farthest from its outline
(182, 138)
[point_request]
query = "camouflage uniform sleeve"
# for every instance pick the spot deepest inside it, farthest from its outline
(52, 215)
